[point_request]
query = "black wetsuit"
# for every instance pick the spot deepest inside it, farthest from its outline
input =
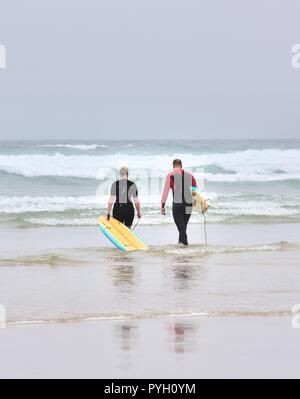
(124, 190)
(182, 204)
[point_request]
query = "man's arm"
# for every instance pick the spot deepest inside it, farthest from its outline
(194, 182)
(165, 194)
(194, 185)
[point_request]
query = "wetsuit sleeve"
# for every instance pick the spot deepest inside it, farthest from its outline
(132, 191)
(194, 182)
(113, 190)
(166, 191)
(135, 192)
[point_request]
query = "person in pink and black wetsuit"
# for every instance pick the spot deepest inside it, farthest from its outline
(181, 183)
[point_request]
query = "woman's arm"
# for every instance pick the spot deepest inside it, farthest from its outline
(111, 201)
(135, 196)
(138, 206)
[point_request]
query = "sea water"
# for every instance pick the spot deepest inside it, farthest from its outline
(65, 183)
(56, 266)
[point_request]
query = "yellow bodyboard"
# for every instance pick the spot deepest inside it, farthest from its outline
(120, 235)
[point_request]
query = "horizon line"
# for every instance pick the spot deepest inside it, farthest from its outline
(158, 139)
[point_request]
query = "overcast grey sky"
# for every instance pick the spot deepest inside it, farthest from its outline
(149, 69)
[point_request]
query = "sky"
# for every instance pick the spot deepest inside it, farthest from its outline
(142, 69)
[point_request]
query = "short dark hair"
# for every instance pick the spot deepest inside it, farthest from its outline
(177, 162)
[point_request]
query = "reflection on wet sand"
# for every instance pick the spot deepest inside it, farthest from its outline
(126, 336)
(182, 340)
(186, 274)
(123, 271)
(123, 276)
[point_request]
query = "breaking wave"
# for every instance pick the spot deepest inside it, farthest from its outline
(251, 165)
(85, 210)
(79, 147)
(90, 255)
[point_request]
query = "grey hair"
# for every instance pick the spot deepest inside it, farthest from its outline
(124, 171)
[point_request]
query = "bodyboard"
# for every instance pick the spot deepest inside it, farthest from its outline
(120, 235)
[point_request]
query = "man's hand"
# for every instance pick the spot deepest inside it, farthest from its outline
(163, 211)
(108, 216)
(139, 215)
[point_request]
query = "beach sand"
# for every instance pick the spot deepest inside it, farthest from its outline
(76, 307)
(224, 347)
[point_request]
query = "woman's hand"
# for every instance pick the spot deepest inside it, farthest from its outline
(139, 214)
(163, 211)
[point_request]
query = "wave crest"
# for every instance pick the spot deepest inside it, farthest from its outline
(249, 165)
(89, 255)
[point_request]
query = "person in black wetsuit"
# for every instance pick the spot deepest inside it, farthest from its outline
(123, 195)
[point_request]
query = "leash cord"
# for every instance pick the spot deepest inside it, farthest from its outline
(136, 225)
(205, 232)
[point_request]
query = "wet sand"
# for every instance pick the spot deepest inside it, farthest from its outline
(222, 347)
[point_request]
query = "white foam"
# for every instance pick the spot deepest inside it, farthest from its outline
(248, 177)
(85, 209)
(197, 250)
(80, 147)
(253, 208)
(13, 205)
(57, 222)
(250, 165)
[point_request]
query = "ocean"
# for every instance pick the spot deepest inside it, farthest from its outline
(66, 183)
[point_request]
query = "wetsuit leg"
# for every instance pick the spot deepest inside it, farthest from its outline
(129, 216)
(117, 214)
(187, 217)
(181, 219)
(124, 213)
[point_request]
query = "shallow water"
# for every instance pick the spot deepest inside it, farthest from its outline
(57, 268)
(74, 281)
